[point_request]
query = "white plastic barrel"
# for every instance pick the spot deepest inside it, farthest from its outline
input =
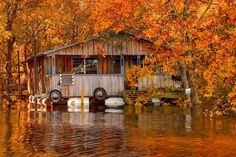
(114, 102)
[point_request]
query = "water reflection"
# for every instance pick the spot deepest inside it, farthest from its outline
(67, 133)
(148, 133)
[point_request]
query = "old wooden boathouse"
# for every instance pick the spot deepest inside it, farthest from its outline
(97, 66)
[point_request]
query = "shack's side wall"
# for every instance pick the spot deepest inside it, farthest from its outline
(41, 76)
(157, 81)
(96, 47)
(112, 83)
(41, 87)
(30, 85)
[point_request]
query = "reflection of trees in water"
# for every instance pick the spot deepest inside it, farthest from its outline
(160, 119)
(146, 133)
(159, 131)
(8, 133)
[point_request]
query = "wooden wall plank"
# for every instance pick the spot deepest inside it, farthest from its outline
(158, 81)
(129, 47)
(113, 84)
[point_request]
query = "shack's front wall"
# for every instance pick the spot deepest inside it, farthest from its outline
(113, 84)
(107, 75)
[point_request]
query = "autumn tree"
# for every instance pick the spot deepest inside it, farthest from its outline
(48, 23)
(9, 10)
(195, 39)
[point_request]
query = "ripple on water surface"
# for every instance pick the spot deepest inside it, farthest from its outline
(168, 132)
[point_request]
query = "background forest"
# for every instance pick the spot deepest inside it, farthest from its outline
(196, 39)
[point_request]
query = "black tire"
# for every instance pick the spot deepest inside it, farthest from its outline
(100, 93)
(55, 96)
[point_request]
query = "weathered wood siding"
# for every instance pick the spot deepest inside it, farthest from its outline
(157, 81)
(96, 47)
(113, 84)
(124, 45)
(40, 76)
(30, 85)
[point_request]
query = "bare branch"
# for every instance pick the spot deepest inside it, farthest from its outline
(204, 13)
(207, 2)
(186, 3)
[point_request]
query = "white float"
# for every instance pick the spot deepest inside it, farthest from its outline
(74, 105)
(114, 102)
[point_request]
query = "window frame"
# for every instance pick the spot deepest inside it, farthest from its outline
(84, 64)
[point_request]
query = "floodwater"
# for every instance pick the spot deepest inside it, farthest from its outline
(166, 131)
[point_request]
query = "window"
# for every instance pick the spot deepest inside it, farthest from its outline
(48, 65)
(85, 66)
(60, 64)
(63, 64)
(91, 65)
(137, 60)
(116, 67)
(141, 61)
(78, 65)
(134, 61)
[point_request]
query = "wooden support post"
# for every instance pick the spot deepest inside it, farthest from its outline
(82, 100)
(138, 60)
(53, 61)
(112, 65)
(122, 63)
(84, 65)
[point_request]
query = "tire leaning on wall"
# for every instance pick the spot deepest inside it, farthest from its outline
(55, 96)
(100, 93)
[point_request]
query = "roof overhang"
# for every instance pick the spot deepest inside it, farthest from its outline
(78, 43)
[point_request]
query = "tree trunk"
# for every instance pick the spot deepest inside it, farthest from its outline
(184, 79)
(186, 73)
(10, 43)
(193, 86)
(25, 69)
(11, 15)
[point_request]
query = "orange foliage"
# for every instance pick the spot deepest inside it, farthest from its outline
(206, 29)
(199, 34)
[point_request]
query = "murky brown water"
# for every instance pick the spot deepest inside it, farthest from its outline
(153, 132)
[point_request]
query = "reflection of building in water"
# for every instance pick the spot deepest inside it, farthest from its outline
(64, 133)
(101, 134)
(79, 118)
